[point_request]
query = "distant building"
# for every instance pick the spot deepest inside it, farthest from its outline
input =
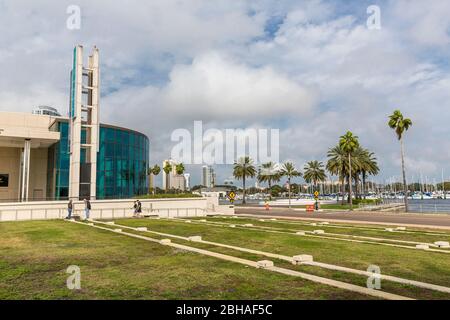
(229, 182)
(172, 180)
(187, 179)
(46, 111)
(208, 177)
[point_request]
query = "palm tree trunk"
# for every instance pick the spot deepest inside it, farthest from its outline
(150, 183)
(364, 184)
(316, 205)
(337, 194)
(243, 192)
(348, 189)
(343, 189)
(350, 181)
(405, 187)
(289, 192)
(270, 189)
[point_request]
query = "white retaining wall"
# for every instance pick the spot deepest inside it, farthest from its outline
(109, 209)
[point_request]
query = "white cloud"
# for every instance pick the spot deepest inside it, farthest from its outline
(166, 63)
(214, 87)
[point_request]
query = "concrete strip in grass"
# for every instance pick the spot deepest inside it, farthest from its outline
(311, 263)
(277, 230)
(259, 216)
(286, 220)
(317, 279)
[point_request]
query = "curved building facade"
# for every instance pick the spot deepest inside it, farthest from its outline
(122, 163)
(47, 157)
(42, 142)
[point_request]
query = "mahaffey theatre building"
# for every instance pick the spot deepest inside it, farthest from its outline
(44, 156)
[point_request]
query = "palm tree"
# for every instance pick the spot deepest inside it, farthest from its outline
(337, 165)
(243, 169)
(349, 143)
(179, 168)
(153, 171)
(288, 170)
(167, 169)
(400, 125)
(368, 166)
(156, 170)
(314, 172)
(358, 158)
(269, 172)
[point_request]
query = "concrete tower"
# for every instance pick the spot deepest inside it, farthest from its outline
(84, 125)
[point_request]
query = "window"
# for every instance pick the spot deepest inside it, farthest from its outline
(121, 164)
(4, 180)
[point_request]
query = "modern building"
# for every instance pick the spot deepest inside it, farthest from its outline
(46, 110)
(48, 157)
(208, 177)
(172, 180)
(187, 179)
(229, 181)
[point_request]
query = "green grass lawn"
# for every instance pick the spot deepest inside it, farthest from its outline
(411, 264)
(365, 231)
(34, 257)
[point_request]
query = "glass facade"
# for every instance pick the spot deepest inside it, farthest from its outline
(122, 163)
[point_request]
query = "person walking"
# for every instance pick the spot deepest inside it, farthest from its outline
(69, 210)
(87, 208)
(139, 208)
(135, 206)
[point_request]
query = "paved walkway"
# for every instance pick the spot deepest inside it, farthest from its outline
(438, 221)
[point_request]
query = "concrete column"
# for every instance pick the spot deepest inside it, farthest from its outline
(19, 189)
(25, 174)
(94, 132)
(76, 124)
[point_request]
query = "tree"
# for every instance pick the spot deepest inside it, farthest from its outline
(156, 170)
(179, 168)
(368, 166)
(276, 190)
(243, 169)
(349, 143)
(398, 123)
(358, 157)
(153, 171)
(314, 172)
(337, 164)
(269, 172)
(167, 169)
(288, 170)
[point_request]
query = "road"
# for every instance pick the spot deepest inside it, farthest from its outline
(441, 221)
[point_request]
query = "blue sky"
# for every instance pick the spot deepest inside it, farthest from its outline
(167, 63)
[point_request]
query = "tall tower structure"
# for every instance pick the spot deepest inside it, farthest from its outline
(84, 125)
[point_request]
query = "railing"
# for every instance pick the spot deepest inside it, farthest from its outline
(435, 206)
(195, 211)
(414, 206)
(31, 214)
(102, 213)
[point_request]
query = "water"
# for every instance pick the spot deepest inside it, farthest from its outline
(420, 206)
(430, 206)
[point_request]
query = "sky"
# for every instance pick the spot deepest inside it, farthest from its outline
(312, 69)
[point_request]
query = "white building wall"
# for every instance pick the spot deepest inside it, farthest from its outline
(113, 209)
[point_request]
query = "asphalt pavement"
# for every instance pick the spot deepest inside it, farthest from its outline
(413, 219)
